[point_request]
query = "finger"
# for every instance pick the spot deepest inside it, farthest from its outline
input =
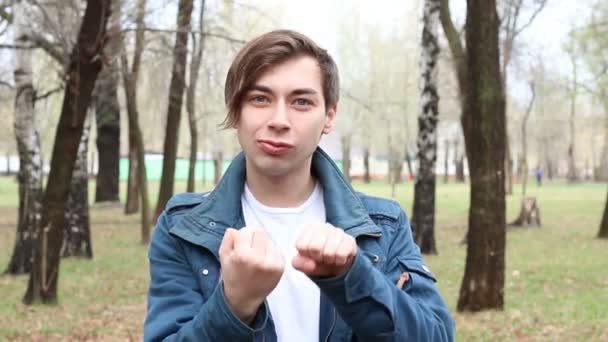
(274, 259)
(243, 239)
(227, 241)
(304, 264)
(332, 244)
(259, 241)
(346, 250)
(303, 240)
(318, 241)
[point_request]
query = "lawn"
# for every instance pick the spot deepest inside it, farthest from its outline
(556, 279)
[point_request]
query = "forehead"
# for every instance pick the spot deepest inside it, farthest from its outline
(293, 73)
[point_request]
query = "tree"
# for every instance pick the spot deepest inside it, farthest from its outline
(85, 64)
(176, 92)
(483, 121)
(524, 139)
(130, 77)
(108, 120)
(423, 220)
(77, 226)
(603, 233)
(28, 145)
(195, 65)
(511, 18)
(573, 89)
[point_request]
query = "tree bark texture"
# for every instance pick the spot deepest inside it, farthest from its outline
(77, 227)
(28, 147)
(85, 64)
(108, 122)
(176, 94)
(423, 220)
(483, 283)
(366, 175)
(346, 146)
(130, 81)
(603, 233)
(136, 142)
(218, 160)
(572, 175)
(195, 65)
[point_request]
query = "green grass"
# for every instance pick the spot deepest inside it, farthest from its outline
(556, 278)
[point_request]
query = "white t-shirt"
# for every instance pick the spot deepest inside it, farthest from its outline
(295, 302)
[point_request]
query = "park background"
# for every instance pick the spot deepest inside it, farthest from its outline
(90, 95)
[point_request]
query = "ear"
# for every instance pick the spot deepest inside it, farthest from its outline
(330, 119)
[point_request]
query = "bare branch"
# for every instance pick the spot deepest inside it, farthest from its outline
(18, 47)
(541, 6)
(206, 34)
(7, 84)
(49, 93)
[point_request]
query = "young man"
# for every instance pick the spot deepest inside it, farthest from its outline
(283, 248)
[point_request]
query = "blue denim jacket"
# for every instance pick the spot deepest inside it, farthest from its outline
(186, 298)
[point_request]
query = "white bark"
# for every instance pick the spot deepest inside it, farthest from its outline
(28, 146)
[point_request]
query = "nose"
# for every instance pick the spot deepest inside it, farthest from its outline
(279, 120)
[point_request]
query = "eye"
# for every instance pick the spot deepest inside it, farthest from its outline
(303, 102)
(259, 98)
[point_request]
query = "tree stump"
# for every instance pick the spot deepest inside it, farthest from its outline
(529, 214)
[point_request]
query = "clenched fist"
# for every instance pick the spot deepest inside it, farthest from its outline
(324, 251)
(251, 267)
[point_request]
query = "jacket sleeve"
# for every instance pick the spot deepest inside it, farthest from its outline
(377, 310)
(176, 307)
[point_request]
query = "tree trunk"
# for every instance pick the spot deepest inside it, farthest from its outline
(524, 139)
(366, 175)
(483, 283)
(446, 162)
(218, 160)
(108, 123)
(408, 162)
(82, 72)
(133, 186)
(346, 143)
(572, 175)
(195, 64)
(130, 77)
(602, 169)
(423, 220)
(508, 167)
(77, 228)
(136, 147)
(176, 93)
(458, 163)
(603, 233)
(28, 146)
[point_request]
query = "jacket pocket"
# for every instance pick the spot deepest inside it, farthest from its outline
(415, 268)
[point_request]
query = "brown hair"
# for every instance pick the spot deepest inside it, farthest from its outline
(270, 49)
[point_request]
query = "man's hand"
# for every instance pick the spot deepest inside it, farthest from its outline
(251, 268)
(324, 251)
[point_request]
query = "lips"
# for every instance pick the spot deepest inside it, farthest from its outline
(274, 148)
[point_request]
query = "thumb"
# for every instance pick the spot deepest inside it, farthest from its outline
(228, 241)
(304, 264)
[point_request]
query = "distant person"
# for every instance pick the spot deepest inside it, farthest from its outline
(539, 176)
(284, 249)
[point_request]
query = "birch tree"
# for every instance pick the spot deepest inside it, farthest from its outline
(423, 220)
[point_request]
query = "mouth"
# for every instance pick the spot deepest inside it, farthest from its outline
(274, 148)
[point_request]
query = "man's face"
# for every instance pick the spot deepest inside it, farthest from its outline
(283, 116)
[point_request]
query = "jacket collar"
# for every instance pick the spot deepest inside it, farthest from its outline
(206, 223)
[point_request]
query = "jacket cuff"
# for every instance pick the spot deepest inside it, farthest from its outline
(355, 284)
(233, 328)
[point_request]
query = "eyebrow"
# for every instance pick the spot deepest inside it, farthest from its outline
(265, 89)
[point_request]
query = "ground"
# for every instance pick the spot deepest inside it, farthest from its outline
(556, 279)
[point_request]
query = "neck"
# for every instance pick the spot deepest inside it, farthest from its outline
(283, 191)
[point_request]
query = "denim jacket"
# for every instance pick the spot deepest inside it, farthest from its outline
(186, 298)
